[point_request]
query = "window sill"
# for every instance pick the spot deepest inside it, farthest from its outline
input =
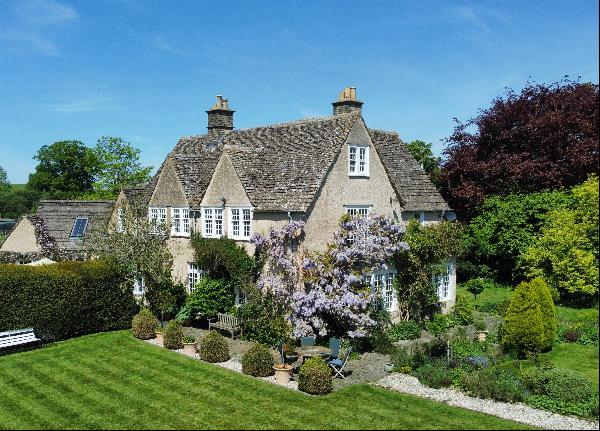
(359, 175)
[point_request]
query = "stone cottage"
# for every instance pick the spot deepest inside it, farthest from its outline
(239, 182)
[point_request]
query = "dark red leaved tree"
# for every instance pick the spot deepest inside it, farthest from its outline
(546, 137)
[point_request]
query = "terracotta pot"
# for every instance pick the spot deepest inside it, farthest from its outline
(283, 373)
(189, 348)
(160, 338)
(481, 335)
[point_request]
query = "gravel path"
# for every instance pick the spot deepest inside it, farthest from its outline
(517, 412)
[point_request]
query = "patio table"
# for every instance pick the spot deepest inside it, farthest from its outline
(310, 351)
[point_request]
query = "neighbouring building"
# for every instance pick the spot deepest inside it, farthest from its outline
(239, 182)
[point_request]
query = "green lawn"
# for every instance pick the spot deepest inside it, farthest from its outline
(493, 295)
(111, 380)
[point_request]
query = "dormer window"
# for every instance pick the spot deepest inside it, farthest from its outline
(357, 210)
(79, 227)
(358, 160)
(180, 221)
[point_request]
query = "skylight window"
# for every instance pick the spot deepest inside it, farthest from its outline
(79, 227)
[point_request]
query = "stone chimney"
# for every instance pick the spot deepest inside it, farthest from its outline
(347, 102)
(220, 117)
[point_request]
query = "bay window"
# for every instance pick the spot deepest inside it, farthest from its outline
(240, 223)
(212, 223)
(180, 221)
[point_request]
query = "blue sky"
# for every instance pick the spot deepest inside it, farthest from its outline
(147, 70)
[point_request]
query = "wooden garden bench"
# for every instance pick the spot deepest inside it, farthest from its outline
(19, 338)
(226, 322)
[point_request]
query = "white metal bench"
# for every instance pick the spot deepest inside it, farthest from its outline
(17, 339)
(226, 322)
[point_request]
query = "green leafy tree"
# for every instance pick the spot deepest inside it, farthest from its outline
(4, 183)
(119, 166)
(524, 329)
(65, 169)
(565, 253)
(422, 153)
(505, 227)
(431, 246)
(476, 285)
(14, 204)
(210, 297)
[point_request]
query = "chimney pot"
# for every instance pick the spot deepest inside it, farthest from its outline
(347, 102)
(220, 117)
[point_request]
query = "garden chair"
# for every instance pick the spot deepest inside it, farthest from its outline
(307, 341)
(285, 358)
(338, 364)
(335, 345)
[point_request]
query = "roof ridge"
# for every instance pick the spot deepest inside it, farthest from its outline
(76, 200)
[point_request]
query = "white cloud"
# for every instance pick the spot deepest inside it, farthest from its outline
(33, 23)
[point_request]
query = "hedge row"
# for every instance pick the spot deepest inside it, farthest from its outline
(64, 300)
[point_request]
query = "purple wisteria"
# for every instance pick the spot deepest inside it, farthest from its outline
(326, 292)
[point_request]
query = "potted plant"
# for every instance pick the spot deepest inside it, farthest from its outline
(480, 330)
(160, 336)
(388, 367)
(283, 373)
(189, 345)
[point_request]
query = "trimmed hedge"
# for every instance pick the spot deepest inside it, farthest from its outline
(173, 337)
(144, 325)
(64, 300)
(213, 348)
(315, 377)
(258, 361)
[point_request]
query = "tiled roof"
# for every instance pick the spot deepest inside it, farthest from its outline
(58, 217)
(410, 181)
(282, 166)
(139, 194)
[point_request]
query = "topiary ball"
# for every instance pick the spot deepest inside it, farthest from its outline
(315, 377)
(213, 348)
(173, 337)
(258, 361)
(144, 325)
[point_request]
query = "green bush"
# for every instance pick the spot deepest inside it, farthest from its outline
(401, 358)
(439, 324)
(173, 337)
(64, 300)
(560, 384)
(144, 325)
(315, 377)
(588, 409)
(165, 299)
(495, 383)
(477, 285)
(524, 328)
(434, 375)
(547, 309)
(258, 361)
(210, 297)
(408, 330)
(263, 318)
(462, 312)
(213, 348)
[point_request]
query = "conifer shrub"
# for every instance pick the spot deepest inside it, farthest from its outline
(315, 377)
(144, 325)
(462, 312)
(258, 361)
(213, 348)
(547, 309)
(524, 329)
(173, 337)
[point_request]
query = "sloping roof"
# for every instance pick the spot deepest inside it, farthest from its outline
(195, 159)
(138, 194)
(282, 166)
(58, 217)
(410, 181)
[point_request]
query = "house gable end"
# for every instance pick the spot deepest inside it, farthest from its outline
(22, 239)
(225, 183)
(168, 190)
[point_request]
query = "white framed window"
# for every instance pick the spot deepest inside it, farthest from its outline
(358, 210)
(240, 297)
(420, 216)
(180, 221)
(195, 273)
(240, 223)
(157, 216)
(358, 160)
(212, 224)
(382, 285)
(139, 286)
(120, 221)
(442, 283)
